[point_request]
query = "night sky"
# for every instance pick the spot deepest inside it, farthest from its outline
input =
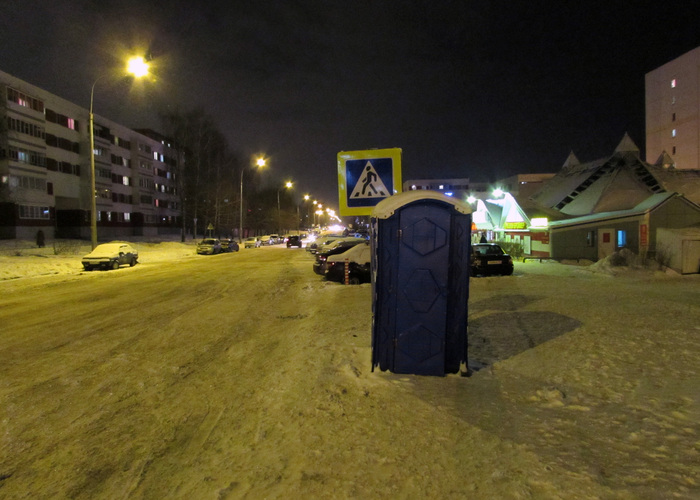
(479, 89)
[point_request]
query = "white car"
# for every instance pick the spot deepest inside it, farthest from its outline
(110, 256)
(359, 260)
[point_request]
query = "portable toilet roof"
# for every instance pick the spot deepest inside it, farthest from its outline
(386, 208)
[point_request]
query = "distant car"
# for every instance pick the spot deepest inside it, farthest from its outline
(275, 239)
(359, 269)
(264, 240)
(252, 242)
(337, 247)
(229, 245)
(489, 258)
(294, 241)
(110, 256)
(209, 246)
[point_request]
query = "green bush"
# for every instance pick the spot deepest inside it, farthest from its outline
(513, 249)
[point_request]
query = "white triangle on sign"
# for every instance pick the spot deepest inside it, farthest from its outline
(369, 185)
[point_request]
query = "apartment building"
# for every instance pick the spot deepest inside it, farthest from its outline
(45, 171)
(672, 95)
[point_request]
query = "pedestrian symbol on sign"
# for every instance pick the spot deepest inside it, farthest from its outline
(369, 185)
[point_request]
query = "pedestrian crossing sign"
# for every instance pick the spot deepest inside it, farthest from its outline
(367, 177)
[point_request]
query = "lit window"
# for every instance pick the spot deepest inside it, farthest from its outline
(673, 133)
(621, 239)
(441, 186)
(673, 83)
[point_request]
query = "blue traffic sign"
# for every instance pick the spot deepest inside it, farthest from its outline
(367, 177)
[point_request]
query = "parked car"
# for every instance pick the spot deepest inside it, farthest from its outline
(229, 245)
(265, 239)
(252, 242)
(294, 241)
(337, 247)
(359, 267)
(275, 239)
(321, 240)
(345, 240)
(209, 246)
(110, 256)
(489, 258)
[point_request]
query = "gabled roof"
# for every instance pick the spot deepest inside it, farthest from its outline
(648, 205)
(618, 181)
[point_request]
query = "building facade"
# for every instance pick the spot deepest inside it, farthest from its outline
(45, 171)
(672, 95)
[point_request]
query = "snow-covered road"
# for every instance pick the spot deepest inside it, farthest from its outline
(246, 376)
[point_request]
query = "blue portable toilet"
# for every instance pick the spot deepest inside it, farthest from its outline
(420, 283)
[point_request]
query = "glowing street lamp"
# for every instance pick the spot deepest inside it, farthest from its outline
(259, 163)
(138, 67)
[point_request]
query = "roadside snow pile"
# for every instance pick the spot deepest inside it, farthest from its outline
(22, 259)
(624, 261)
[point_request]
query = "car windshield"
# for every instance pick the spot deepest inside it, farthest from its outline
(488, 250)
(208, 242)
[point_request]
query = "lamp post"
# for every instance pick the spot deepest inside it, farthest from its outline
(260, 162)
(137, 67)
(287, 185)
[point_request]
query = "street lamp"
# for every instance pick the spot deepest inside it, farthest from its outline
(287, 185)
(260, 162)
(138, 67)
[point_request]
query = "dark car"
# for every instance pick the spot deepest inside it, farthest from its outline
(110, 256)
(336, 248)
(489, 258)
(228, 245)
(358, 261)
(293, 241)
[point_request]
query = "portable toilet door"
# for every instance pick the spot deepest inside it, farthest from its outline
(421, 283)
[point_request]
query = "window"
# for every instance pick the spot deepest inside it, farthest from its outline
(25, 127)
(53, 117)
(33, 212)
(621, 238)
(673, 83)
(673, 133)
(673, 117)
(24, 100)
(590, 238)
(674, 150)
(28, 182)
(26, 156)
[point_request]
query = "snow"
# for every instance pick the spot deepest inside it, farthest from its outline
(586, 384)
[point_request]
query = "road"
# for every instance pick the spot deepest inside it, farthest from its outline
(246, 376)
